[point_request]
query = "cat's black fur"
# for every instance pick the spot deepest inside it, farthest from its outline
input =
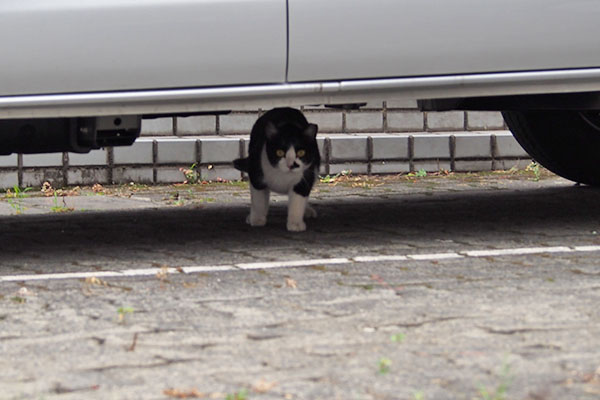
(281, 128)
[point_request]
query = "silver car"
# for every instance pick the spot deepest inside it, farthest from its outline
(76, 75)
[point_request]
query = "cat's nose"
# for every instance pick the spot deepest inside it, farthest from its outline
(294, 165)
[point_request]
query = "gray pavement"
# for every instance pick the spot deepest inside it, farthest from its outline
(512, 326)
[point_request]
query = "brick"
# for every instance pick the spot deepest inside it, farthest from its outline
(446, 121)
(364, 121)
(94, 157)
(237, 123)
(508, 164)
(9, 161)
(401, 103)
(472, 166)
(355, 168)
(223, 172)
(8, 179)
(138, 153)
(220, 150)
(387, 147)
(35, 178)
(390, 167)
(87, 176)
(405, 121)
(43, 160)
(321, 145)
(432, 166)
(197, 125)
(431, 146)
(157, 127)
(485, 120)
(328, 122)
(349, 148)
(169, 175)
(473, 146)
(132, 174)
(507, 146)
(247, 147)
(176, 151)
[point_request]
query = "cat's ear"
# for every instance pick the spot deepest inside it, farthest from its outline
(311, 130)
(270, 130)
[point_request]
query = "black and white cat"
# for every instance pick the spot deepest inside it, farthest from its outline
(283, 158)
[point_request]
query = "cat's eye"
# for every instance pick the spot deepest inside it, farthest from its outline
(301, 153)
(280, 153)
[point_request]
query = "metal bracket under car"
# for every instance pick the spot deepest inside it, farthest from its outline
(78, 135)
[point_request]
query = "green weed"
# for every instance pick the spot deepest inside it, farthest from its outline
(334, 178)
(535, 168)
(123, 312)
(239, 395)
(60, 208)
(191, 174)
(500, 392)
(14, 198)
(420, 395)
(419, 174)
(384, 365)
(398, 337)
(18, 299)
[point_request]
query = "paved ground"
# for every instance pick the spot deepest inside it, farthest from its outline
(393, 298)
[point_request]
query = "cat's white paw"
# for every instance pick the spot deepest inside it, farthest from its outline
(296, 226)
(310, 212)
(256, 220)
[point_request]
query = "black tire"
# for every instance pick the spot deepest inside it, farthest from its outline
(565, 142)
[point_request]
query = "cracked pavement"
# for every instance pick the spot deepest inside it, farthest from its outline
(404, 329)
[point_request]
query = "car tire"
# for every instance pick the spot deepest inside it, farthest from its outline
(565, 142)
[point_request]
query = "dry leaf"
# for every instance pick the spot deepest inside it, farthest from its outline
(25, 292)
(289, 282)
(184, 394)
(47, 189)
(162, 274)
(263, 386)
(92, 280)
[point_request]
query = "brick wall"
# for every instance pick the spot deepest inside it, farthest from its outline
(386, 117)
(389, 137)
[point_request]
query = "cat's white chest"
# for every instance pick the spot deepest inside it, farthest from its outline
(277, 180)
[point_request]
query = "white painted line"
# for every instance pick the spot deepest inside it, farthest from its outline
(297, 263)
(114, 274)
(379, 258)
(208, 268)
(587, 248)
(517, 252)
(438, 256)
(64, 275)
(292, 264)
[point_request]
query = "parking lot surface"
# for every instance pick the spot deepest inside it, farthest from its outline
(482, 286)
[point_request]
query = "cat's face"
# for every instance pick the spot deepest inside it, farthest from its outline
(291, 148)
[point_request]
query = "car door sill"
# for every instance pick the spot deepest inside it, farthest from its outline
(190, 100)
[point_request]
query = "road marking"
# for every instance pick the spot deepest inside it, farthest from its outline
(292, 264)
(379, 258)
(437, 256)
(518, 252)
(298, 263)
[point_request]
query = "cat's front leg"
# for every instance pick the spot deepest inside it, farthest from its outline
(259, 206)
(296, 208)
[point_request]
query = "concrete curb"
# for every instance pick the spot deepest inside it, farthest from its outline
(160, 159)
